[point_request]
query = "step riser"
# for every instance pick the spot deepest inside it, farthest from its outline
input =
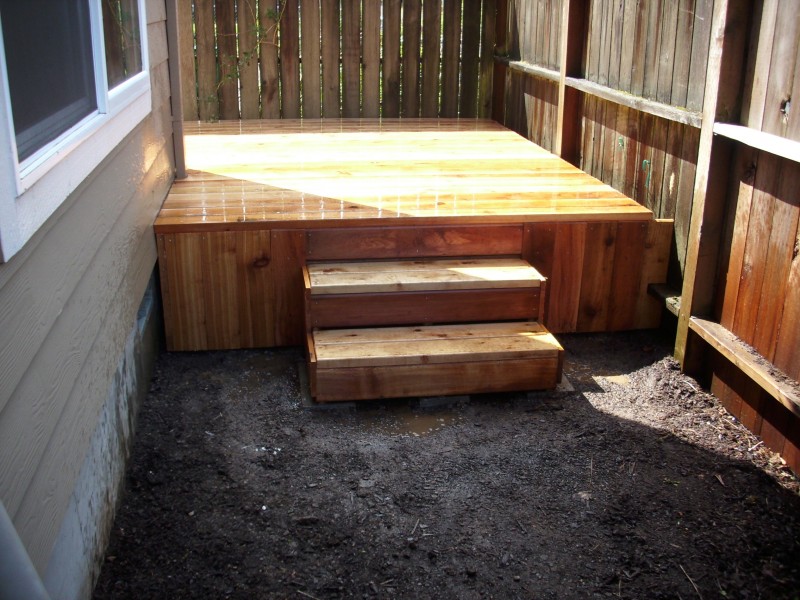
(362, 383)
(407, 308)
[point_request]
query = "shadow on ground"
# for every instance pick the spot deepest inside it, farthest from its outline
(635, 485)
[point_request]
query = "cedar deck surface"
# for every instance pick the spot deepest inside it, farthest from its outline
(324, 173)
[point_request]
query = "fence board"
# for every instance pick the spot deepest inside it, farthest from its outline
(487, 59)
(330, 58)
(290, 59)
(701, 38)
(391, 59)
(207, 100)
(666, 57)
(310, 59)
(270, 77)
(412, 26)
(431, 54)
(187, 62)
(782, 68)
(470, 48)
(248, 59)
(777, 265)
(227, 60)
(683, 53)
(371, 59)
(451, 49)
(755, 251)
(351, 59)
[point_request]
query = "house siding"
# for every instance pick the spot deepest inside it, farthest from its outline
(68, 306)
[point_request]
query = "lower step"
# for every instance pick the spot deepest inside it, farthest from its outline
(441, 360)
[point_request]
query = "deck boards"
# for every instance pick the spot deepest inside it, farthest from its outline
(429, 275)
(319, 173)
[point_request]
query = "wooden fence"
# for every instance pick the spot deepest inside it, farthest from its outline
(255, 59)
(686, 106)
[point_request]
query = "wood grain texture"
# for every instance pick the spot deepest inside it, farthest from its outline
(596, 278)
(331, 46)
(351, 59)
(311, 59)
(451, 58)
(367, 170)
(412, 28)
(431, 54)
(360, 383)
(409, 308)
(390, 100)
(248, 52)
(285, 273)
(188, 65)
(290, 59)
(406, 242)
(268, 60)
(208, 99)
(227, 59)
(421, 275)
(371, 60)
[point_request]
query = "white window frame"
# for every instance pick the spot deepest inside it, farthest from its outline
(31, 191)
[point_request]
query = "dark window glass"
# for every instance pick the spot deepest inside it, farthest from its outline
(48, 50)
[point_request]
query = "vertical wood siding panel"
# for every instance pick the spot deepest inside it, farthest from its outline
(598, 267)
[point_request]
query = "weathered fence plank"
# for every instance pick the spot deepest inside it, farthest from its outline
(371, 60)
(351, 59)
(330, 58)
(431, 55)
(248, 59)
(412, 27)
(390, 101)
(310, 59)
(290, 59)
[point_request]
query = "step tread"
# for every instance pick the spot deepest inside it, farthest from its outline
(471, 342)
(421, 275)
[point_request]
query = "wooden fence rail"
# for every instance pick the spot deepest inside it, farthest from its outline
(255, 59)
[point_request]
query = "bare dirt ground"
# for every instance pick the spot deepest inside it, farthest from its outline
(634, 485)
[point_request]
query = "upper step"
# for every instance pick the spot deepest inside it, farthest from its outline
(369, 277)
(405, 292)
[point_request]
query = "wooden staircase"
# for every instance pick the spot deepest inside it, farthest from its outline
(420, 327)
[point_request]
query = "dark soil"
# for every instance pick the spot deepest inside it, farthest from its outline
(635, 485)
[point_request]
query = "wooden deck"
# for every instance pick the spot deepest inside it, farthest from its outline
(264, 198)
(324, 173)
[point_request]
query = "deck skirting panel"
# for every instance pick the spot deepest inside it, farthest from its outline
(263, 198)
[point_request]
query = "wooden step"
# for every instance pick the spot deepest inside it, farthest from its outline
(399, 292)
(390, 362)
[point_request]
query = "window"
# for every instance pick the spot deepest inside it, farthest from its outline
(75, 81)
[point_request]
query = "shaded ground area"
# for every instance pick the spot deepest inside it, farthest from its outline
(635, 485)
